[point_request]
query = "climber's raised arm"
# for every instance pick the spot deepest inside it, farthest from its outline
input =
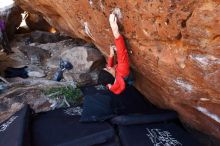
(114, 76)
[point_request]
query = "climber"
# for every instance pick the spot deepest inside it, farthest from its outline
(114, 76)
(3, 38)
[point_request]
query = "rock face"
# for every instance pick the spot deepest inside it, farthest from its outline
(174, 48)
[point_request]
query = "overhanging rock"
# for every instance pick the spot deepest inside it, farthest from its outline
(174, 48)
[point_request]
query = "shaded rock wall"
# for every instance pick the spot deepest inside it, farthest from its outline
(174, 48)
(12, 16)
(37, 22)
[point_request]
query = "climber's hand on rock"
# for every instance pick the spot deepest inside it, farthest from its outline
(114, 47)
(109, 86)
(112, 52)
(113, 22)
(114, 25)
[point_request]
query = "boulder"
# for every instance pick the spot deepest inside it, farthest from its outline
(34, 97)
(36, 55)
(32, 92)
(173, 46)
(86, 61)
(45, 49)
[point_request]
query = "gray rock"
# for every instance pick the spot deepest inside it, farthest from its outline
(86, 63)
(36, 55)
(34, 71)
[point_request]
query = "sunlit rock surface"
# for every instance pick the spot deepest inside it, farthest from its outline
(174, 47)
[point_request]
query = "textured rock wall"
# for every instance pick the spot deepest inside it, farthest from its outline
(174, 48)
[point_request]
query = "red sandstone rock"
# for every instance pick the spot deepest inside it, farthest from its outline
(175, 48)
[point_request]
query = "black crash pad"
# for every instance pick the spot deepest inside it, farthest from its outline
(130, 107)
(131, 101)
(15, 131)
(92, 90)
(132, 119)
(58, 128)
(164, 134)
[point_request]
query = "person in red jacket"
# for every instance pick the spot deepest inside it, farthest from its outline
(113, 76)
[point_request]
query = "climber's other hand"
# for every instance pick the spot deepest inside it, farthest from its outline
(112, 52)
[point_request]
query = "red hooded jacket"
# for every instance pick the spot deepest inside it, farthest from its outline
(122, 69)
